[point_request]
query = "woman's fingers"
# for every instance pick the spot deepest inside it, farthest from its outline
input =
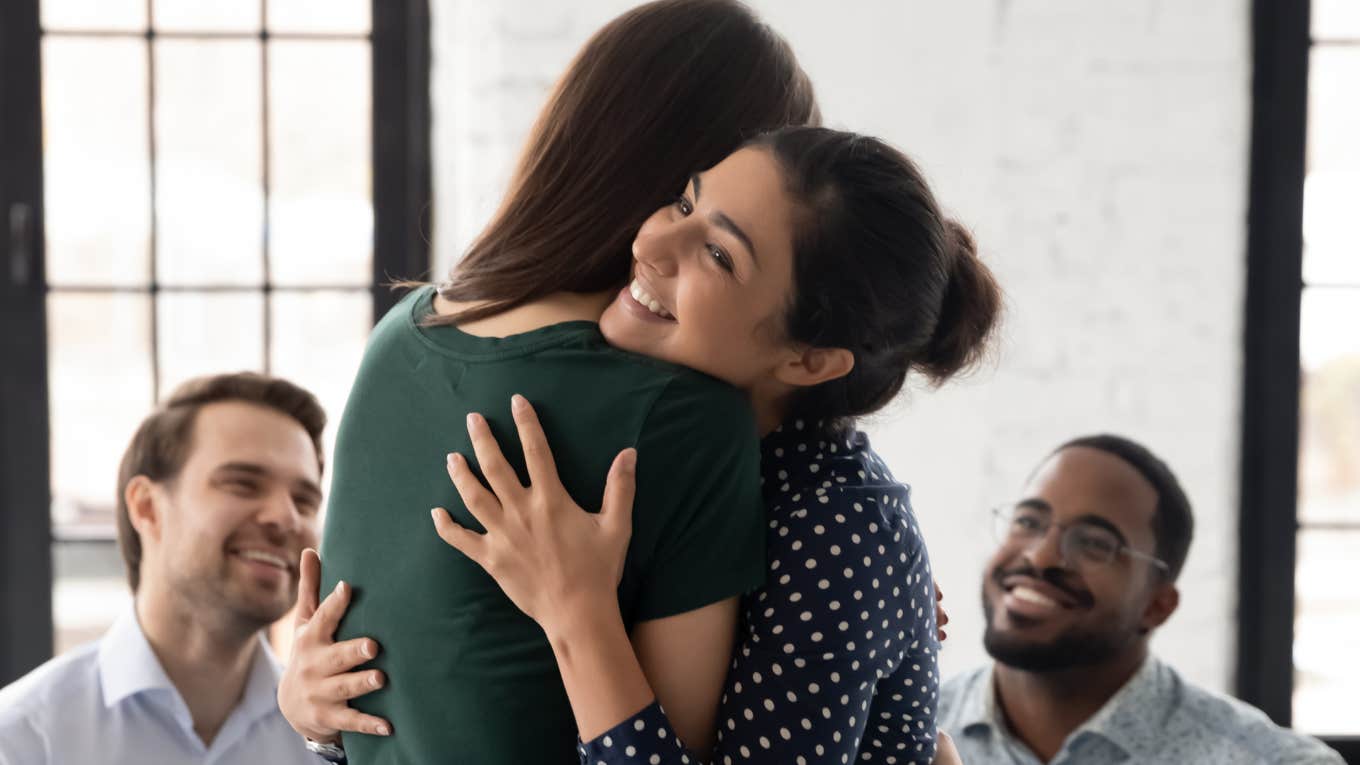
(342, 657)
(351, 685)
(497, 471)
(619, 487)
(537, 454)
(309, 586)
(346, 719)
(945, 751)
(467, 542)
(482, 504)
(327, 617)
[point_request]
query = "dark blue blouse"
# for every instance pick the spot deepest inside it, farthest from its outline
(837, 659)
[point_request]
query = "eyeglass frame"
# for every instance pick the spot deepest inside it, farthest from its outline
(1005, 513)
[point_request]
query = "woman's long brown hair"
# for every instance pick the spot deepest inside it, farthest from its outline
(666, 89)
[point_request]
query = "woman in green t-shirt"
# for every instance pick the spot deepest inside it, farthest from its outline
(664, 89)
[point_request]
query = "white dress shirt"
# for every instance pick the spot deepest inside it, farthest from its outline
(110, 702)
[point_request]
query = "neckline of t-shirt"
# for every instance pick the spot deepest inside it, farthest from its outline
(452, 341)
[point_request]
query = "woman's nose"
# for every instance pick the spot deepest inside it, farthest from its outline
(660, 247)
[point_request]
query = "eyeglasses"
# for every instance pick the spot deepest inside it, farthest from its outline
(1081, 543)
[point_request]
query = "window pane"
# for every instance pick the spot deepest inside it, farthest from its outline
(203, 334)
(1329, 434)
(97, 175)
(1331, 229)
(321, 219)
(99, 381)
(209, 193)
(1336, 19)
(323, 16)
(318, 340)
(89, 590)
(1326, 673)
(207, 15)
(100, 15)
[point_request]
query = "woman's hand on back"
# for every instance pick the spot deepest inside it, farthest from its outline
(555, 561)
(941, 618)
(318, 682)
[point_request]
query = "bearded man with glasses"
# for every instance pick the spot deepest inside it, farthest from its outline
(1085, 570)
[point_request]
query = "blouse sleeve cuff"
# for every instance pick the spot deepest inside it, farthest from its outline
(644, 737)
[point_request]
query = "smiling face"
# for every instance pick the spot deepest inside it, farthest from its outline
(224, 537)
(713, 274)
(1047, 613)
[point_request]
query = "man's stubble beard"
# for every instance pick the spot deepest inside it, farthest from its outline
(1073, 648)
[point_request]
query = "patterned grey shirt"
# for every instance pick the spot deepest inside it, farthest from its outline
(1156, 717)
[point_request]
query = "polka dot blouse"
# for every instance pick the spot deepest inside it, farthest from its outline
(837, 659)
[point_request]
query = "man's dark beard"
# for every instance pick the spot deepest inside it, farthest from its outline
(1071, 650)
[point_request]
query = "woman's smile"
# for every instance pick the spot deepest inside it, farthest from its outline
(636, 295)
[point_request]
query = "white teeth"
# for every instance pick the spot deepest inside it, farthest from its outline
(639, 294)
(264, 557)
(1033, 596)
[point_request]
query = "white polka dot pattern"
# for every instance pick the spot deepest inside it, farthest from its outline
(838, 655)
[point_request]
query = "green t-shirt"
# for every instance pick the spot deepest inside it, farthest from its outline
(471, 679)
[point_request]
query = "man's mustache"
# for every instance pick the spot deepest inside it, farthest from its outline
(1057, 577)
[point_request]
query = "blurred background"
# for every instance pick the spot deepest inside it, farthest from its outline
(1169, 192)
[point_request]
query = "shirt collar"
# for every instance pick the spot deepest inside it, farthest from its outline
(1133, 717)
(979, 708)
(128, 667)
(1126, 720)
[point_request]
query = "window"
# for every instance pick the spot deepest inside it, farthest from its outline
(1328, 570)
(1300, 609)
(207, 187)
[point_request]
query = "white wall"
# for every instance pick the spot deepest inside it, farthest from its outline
(1099, 152)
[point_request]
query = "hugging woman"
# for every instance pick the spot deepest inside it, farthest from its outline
(791, 286)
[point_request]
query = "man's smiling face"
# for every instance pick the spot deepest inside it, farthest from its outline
(1047, 613)
(234, 521)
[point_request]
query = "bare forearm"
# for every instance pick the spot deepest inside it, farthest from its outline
(603, 678)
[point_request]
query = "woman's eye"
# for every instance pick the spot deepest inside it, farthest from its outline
(683, 205)
(721, 257)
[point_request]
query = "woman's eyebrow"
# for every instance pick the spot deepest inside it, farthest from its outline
(726, 223)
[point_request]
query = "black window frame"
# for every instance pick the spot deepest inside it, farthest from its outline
(402, 192)
(1282, 45)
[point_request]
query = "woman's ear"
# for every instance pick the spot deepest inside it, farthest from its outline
(144, 511)
(815, 366)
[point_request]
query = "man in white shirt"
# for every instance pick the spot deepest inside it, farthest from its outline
(218, 496)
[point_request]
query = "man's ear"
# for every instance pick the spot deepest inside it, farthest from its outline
(814, 366)
(1164, 601)
(145, 506)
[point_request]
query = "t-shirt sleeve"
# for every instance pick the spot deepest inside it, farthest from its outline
(698, 497)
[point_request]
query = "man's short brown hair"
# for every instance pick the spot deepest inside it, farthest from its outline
(163, 441)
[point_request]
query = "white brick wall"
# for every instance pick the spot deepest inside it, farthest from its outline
(1099, 152)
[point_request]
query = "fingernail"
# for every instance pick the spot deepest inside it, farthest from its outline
(383, 730)
(366, 650)
(518, 402)
(629, 459)
(451, 459)
(372, 681)
(340, 587)
(472, 420)
(434, 513)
